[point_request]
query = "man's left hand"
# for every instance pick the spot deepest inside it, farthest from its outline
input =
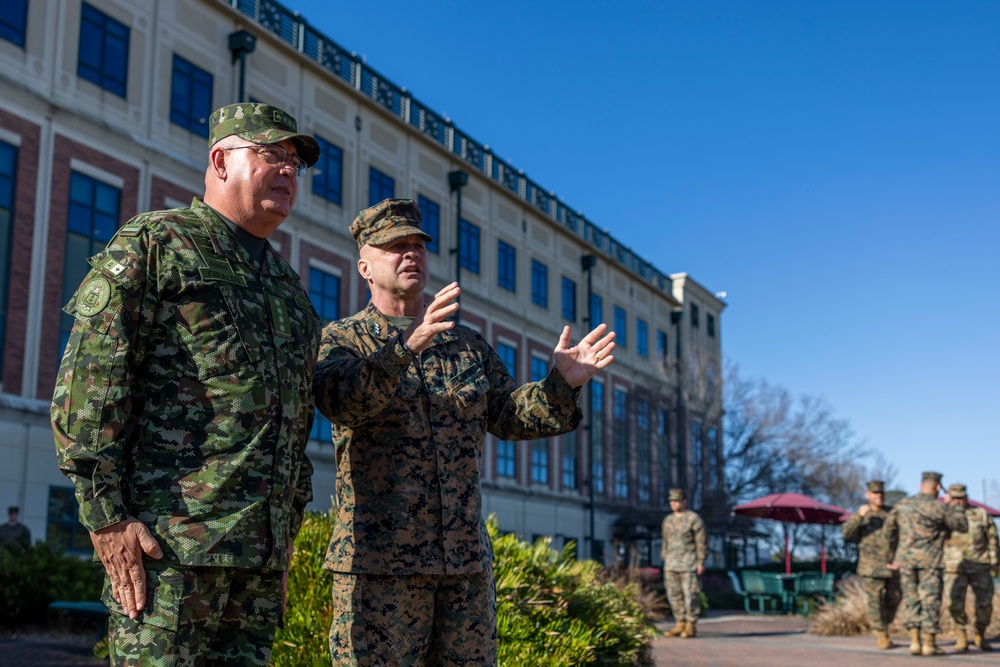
(582, 361)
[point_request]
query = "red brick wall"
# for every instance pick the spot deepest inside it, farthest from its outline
(64, 150)
(160, 189)
(22, 239)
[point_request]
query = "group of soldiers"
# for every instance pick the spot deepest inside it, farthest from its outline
(920, 551)
(914, 553)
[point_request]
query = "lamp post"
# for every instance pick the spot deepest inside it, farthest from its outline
(241, 43)
(456, 181)
(587, 263)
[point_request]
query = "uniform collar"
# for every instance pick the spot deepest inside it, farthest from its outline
(225, 243)
(379, 327)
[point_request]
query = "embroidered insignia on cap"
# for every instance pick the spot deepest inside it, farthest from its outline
(94, 296)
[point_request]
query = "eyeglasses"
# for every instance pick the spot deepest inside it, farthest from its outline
(277, 155)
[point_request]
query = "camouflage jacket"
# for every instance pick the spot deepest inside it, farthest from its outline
(409, 433)
(684, 545)
(977, 546)
(874, 548)
(918, 526)
(184, 398)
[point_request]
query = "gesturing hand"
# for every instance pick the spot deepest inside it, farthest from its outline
(864, 509)
(120, 548)
(581, 362)
(433, 319)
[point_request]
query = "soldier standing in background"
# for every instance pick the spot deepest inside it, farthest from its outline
(412, 396)
(14, 532)
(183, 406)
(918, 526)
(970, 560)
(867, 528)
(684, 554)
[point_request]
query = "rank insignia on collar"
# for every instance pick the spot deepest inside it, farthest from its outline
(377, 328)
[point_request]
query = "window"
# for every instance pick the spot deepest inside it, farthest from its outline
(620, 399)
(570, 459)
(712, 454)
(540, 462)
(710, 324)
(539, 369)
(93, 220)
(64, 529)
(324, 292)
(328, 174)
(430, 214)
(380, 186)
(661, 344)
(597, 435)
(506, 266)
(8, 169)
(103, 57)
(663, 454)
(643, 449)
(190, 97)
(506, 459)
(694, 315)
(696, 461)
(621, 327)
(568, 299)
(597, 312)
(14, 21)
(468, 244)
(508, 355)
(539, 284)
(642, 337)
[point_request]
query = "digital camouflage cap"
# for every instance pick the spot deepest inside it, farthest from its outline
(387, 220)
(931, 477)
(676, 494)
(876, 486)
(958, 491)
(261, 124)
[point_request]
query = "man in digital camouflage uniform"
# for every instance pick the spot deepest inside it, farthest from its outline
(14, 532)
(867, 528)
(918, 526)
(184, 402)
(684, 554)
(970, 561)
(412, 396)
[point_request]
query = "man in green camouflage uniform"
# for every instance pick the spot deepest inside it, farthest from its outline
(970, 560)
(918, 526)
(412, 396)
(684, 554)
(184, 403)
(867, 528)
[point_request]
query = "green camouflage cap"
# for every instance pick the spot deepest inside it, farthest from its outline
(676, 494)
(957, 491)
(931, 477)
(261, 124)
(387, 220)
(876, 486)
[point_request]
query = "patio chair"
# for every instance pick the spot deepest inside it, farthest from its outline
(752, 587)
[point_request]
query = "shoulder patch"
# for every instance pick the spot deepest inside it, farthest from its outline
(94, 296)
(130, 229)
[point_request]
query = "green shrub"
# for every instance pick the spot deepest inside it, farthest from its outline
(32, 578)
(552, 609)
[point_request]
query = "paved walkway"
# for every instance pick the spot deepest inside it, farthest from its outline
(48, 651)
(739, 640)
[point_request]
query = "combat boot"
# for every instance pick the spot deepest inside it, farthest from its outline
(961, 639)
(676, 630)
(980, 640)
(689, 630)
(882, 637)
(914, 641)
(930, 646)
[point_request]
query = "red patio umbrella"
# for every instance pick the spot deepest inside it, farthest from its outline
(793, 508)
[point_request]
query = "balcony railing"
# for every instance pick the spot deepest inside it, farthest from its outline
(317, 47)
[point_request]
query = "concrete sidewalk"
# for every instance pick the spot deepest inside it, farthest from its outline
(740, 640)
(41, 650)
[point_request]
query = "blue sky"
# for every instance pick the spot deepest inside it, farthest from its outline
(833, 166)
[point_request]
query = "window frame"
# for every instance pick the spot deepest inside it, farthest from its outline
(322, 185)
(506, 266)
(197, 79)
(97, 40)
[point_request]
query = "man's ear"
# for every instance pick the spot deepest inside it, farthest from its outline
(217, 160)
(364, 269)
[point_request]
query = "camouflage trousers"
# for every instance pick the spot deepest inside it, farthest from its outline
(956, 584)
(198, 617)
(884, 596)
(684, 595)
(403, 621)
(921, 598)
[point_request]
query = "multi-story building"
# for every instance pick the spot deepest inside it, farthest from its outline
(103, 110)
